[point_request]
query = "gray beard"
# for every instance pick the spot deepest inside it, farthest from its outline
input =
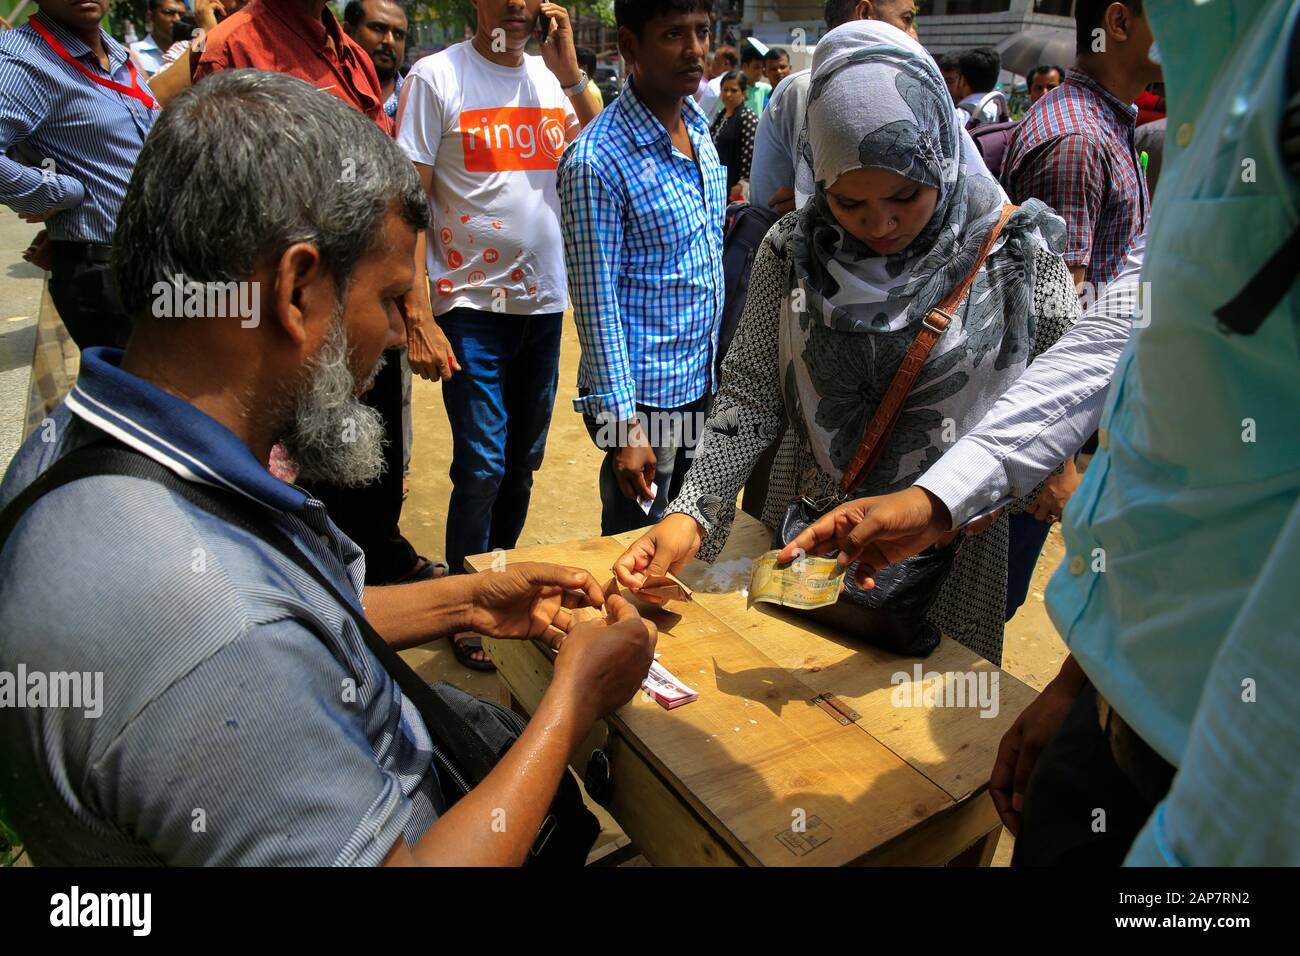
(332, 437)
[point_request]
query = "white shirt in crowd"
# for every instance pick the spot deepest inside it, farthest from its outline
(494, 136)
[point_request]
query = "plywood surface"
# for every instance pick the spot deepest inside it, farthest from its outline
(954, 746)
(783, 781)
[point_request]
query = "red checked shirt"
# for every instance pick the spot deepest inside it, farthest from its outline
(1074, 151)
(276, 35)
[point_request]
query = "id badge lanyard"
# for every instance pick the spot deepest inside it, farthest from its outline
(135, 90)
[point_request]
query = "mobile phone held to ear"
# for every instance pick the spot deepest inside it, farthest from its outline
(543, 27)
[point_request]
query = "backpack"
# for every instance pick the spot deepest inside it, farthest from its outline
(992, 141)
(747, 224)
(975, 112)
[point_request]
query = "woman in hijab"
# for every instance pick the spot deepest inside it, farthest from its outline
(733, 129)
(837, 294)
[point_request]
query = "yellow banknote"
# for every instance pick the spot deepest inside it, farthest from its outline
(806, 582)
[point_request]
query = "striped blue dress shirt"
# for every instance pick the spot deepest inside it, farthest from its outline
(80, 138)
(232, 681)
(642, 230)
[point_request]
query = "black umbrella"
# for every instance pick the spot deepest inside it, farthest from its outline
(1021, 52)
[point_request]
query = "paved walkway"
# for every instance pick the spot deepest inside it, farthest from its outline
(21, 287)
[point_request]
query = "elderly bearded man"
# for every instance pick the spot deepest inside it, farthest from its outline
(236, 681)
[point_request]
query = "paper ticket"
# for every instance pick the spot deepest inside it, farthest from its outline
(667, 690)
(806, 582)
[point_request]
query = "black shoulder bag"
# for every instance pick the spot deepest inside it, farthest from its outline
(892, 614)
(470, 735)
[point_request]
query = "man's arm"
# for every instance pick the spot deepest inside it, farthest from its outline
(598, 668)
(422, 124)
(1037, 423)
(1234, 800)
(772, 166)
(592, 224)
(1047, 414)
(34, 192)
(171, 81)
(408, 615)
(561, 58)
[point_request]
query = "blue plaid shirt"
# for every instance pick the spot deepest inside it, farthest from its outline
(643, 250)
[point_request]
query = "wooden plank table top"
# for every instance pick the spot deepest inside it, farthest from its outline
(755, 771)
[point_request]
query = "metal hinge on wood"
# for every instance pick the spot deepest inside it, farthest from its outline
(841, 711)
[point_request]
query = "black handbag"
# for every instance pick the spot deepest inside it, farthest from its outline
(892, 615)
(469, 735)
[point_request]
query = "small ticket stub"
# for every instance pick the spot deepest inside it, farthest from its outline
(667, 690)
(805, 583)
(647, 503)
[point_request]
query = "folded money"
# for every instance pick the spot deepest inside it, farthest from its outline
(804, 583)
(666, 587)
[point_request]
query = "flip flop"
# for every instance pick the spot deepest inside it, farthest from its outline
(425, 570)
(464, 645)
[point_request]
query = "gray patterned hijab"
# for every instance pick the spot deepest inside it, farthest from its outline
(878, 100)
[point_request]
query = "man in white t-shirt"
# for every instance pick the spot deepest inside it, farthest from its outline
(486, 125)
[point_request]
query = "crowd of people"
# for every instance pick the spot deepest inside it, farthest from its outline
(440, 222)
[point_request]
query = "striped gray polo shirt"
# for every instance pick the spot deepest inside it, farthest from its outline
(242, 719)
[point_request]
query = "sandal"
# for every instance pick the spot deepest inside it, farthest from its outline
(425, 570)
(465, 646)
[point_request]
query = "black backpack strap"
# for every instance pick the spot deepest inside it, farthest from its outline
(1265, 291)
(108, 457)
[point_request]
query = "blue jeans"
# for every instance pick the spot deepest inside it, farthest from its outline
(499, 406)
(673, 434)
(1027, 537)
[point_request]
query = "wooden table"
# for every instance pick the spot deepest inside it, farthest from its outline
(762, 769)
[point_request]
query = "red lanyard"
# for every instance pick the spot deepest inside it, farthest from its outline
(135, 90)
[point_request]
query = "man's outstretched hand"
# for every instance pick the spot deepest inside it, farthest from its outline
(530, 600)
(876, 532)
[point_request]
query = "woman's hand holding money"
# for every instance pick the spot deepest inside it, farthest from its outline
(876, 532)
(664, 548)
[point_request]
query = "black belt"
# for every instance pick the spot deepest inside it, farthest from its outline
(66, 251)
(1149, 772)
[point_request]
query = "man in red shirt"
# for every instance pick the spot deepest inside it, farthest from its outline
(303, 39)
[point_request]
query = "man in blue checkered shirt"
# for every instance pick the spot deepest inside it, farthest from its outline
(643, 196)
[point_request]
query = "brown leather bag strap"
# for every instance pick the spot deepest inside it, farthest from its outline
(932, 329)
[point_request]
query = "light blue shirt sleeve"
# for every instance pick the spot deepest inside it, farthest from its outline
(1048, 413)
(1236, 798)
(778, 134)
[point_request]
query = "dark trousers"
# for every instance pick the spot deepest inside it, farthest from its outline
(499, 406)
(1076, 776)
(84, 291)
(370, 515)
(1027, 536)
(673, 433)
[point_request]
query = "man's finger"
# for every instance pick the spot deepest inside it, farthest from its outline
(576, 579)
(811, 539)
(617, 609)
(553, 638)
(625, 568)
(1024, 769)
(563, 620)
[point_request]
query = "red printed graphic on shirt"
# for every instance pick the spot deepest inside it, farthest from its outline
(512, 138)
